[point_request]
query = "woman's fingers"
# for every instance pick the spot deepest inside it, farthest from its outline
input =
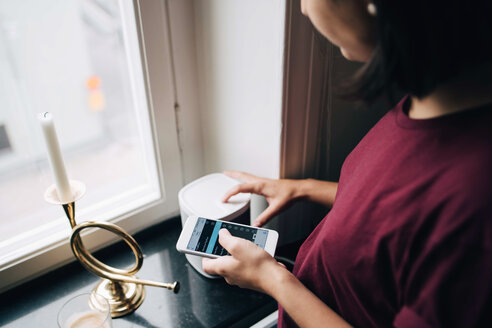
(230, 243)
(248, 185)
(208, 265)
(244, 187)
(216, 266)
(247, 266)
(265, 216)
(233, 245)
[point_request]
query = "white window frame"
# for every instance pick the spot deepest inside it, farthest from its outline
(155, 53)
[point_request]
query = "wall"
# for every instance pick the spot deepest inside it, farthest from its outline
(181, 26)
(228, 73)
(240, 57)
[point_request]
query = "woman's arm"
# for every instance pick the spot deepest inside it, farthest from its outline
(322, 192)
(249, 266)
(305, 308)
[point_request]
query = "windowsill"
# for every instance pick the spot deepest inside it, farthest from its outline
(200, 302)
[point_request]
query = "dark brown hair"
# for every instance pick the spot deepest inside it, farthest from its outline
(424, 43)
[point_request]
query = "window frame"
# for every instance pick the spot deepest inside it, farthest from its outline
(156, 61)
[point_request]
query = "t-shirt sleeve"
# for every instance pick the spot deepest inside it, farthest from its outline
(450, 284)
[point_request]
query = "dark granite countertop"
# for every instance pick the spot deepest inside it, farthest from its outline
(201, 302)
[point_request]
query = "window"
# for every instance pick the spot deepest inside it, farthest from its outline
(93, 64)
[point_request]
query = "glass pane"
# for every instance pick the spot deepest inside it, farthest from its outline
(79, 60)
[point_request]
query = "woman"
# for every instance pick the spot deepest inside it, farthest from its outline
(408, 241)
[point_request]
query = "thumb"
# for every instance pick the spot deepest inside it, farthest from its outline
(228, 241)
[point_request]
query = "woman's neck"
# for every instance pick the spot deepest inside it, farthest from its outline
(469, 90)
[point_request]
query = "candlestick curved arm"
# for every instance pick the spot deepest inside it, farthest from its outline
(108, 272)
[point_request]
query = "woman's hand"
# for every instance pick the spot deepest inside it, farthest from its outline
(251, 267)
(248, 266)
(278, 193)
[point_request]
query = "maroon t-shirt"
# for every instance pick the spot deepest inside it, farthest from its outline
(408, 242)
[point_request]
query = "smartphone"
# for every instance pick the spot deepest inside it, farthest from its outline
(200, 236)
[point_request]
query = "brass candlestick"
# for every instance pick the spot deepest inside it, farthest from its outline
(120, 287)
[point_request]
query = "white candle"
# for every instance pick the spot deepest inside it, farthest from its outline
(55, 157)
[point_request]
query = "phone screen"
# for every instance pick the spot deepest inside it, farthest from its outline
(205, 236)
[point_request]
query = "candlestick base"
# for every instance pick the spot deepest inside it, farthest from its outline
(123, 297)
